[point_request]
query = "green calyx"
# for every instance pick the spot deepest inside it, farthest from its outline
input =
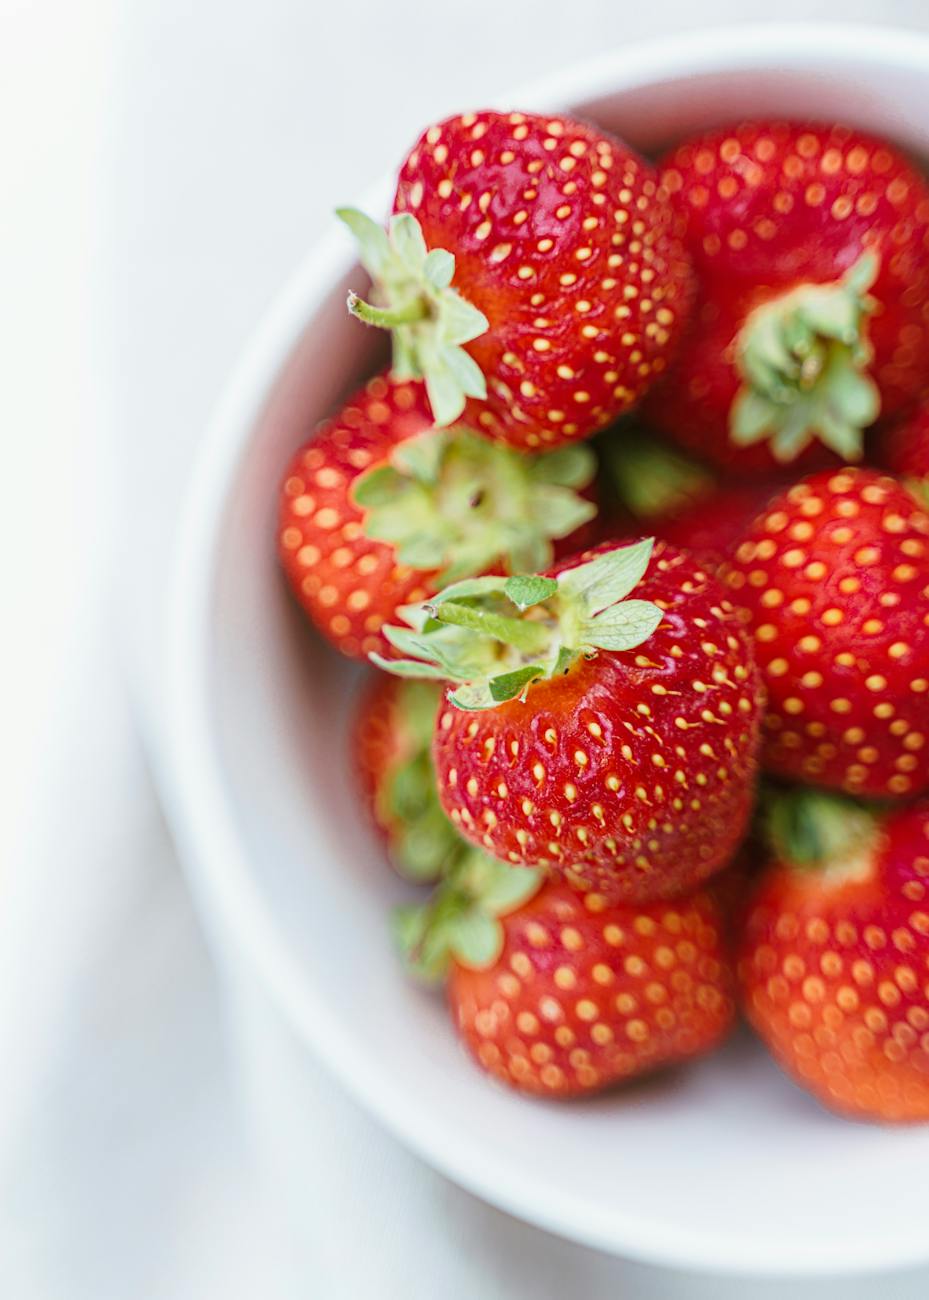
(461, 922)
(812, 829)
(803, 359)
(651, 478)
(423, 842)
(494, 637)
(453, 501)
(429, 320)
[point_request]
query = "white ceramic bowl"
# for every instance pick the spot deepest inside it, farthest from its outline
(724, 1166)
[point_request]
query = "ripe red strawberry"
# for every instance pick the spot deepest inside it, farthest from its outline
(904, 449)
(583, 996)
(811, 246)
(834, 955)
(570, 281)
(612, 743)
(378, 510)
(392, 746)
(833, 579)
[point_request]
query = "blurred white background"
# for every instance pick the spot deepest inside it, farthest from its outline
(163, 165)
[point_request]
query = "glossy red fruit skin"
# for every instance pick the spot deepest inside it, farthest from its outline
(349, 584)
(712, 527)
(632, 775)
(565, 241)
(771, 205)
(584, 996)
(833, 975)
(904, 448)
(833, 581)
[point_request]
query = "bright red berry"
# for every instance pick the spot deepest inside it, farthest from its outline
(379, 510)
(811, 246)
(833, 580)
(533, 269)
(584, 996)
(611, 741)
(834, 955)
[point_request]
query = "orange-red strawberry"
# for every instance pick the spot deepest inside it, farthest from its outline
(533, 269)
(582, 996)
(833, 579)
(611, 741)
(834, 955)
(811, 246)
(392, 747)
(904, 449)
(378, 510)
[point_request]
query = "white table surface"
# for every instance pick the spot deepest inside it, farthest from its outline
(170, 161)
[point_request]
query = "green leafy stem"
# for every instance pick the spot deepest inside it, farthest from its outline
(493, 637)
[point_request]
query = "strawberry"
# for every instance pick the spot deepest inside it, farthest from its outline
(378, 511)
(392, 747)
(581, 996)
(833, 580)
(904, 449)
(611, 741)
(532, 273)
(811, 246)
(834, 953)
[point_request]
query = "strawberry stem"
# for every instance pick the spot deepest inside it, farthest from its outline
(388, 318)
(429, 320)
(530, 638)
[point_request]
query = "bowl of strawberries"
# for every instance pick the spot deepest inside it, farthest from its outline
(549, 696)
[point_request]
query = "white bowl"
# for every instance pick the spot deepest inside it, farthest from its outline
(725, 1166)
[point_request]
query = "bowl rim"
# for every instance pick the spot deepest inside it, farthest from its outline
(186, 764)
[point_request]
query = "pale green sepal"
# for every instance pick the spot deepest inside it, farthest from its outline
(406, 235)
(439, 267)
(508, 685)
(562, 509)
(462, 321)
(505, 888)
(474, 697)
(623, 626)
(476, 939)
(446, 396)
(526, 590)
(370, 236)
(608, 578)
(376, 487)
(573, 466)
(421, 457)
(470, 587)
(407, 667)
